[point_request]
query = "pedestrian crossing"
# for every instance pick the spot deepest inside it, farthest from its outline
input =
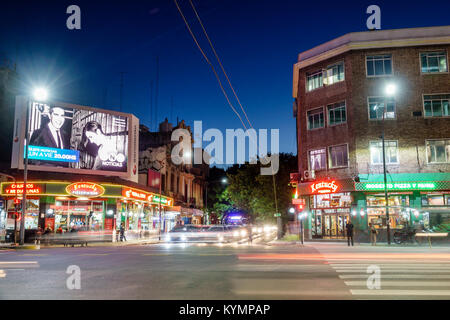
(395, 280)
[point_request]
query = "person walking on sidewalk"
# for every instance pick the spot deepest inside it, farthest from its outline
(373, 234)
(122, 233)
(349, 227)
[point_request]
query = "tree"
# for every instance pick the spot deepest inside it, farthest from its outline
(254, 193)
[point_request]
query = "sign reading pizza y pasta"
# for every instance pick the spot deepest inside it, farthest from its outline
(71, 138)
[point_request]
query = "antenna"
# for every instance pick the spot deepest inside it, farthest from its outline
(171, 109)
(151, 105)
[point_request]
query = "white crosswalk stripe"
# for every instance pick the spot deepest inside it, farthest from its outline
(398, 280)
(2, 273)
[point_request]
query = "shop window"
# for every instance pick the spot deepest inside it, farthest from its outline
(380, 107)
(338, 156)
(438, 151)
(317, 159)
(433, 62)
(376, 152)
(435, 199)
(380, 200)
(337, 114)
(315, 119)
(436, 105)
(337, 200)
(380, 65)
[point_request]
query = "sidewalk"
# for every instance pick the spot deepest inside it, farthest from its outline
(90, 244)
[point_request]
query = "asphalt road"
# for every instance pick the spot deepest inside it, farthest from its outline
(177, 271)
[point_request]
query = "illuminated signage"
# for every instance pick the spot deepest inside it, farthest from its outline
(53, 154)
(135, 194)
(298, 201)
(368, 186)
(131, 193)
(324, 187)
(164, 201)
(17, 188)
(85, 189)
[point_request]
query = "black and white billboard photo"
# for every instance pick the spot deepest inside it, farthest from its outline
(70, 137)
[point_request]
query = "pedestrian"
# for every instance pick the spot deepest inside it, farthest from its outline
(349, 227)
(373, 234)
(122, 233)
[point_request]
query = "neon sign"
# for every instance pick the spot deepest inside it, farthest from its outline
(131, 193)
(17, 188)
(397, 186)
(85, 189)
(324, 187)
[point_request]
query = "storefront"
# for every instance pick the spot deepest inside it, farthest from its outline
(63, 206)
(419, 200)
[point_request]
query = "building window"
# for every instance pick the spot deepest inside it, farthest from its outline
(314, 81)
(337, 114)
(435, 199)
(380, 105)
(338, 156)
(438, 151)
(334, 73)
(317, 159)
(379, 65)
(436, 105)
(432, 62)
(315, 119)
(376, 152)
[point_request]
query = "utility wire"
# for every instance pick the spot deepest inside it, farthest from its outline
(209, 62)
(220, 62)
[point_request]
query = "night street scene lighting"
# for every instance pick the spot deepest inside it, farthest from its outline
(224, 159)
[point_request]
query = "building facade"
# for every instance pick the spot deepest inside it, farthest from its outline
(347, 92)
(185, 183)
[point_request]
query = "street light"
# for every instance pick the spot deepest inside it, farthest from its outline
(292, 210)
(40, 94)
(390, 91)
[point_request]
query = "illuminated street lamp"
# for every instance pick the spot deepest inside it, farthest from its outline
(390, 90)
(39, 94)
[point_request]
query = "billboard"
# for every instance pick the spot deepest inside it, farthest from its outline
(71, 138)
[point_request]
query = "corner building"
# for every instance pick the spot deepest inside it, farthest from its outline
(342, 101)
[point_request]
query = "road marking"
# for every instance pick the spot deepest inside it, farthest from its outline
(395, 271)
(18, 262)
(94, 254)
(391, 267)
(278, 268)
(156, 254)
(2, 274)
(33, 254)
(397, 276)
(344, 265)
(383, 292)
(402, 283)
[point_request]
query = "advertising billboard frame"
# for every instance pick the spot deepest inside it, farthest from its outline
(17, 158)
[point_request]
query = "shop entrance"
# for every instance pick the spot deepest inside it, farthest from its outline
(333, 225)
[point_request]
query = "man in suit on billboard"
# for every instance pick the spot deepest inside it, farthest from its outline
(51, 134)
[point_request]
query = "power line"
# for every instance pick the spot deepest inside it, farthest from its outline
(209, 62)
(220, 62)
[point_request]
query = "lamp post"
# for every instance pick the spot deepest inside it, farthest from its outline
(40, 94)
(390, 90)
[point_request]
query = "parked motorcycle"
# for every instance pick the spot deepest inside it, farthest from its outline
(404, 236)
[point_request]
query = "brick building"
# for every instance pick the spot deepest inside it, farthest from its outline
(341, 105)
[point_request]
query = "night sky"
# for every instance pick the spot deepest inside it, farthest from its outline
(257, 40)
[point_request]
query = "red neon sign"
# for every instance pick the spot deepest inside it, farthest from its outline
(131, 193)
(17, 188)
(324, 187)
(85, 189)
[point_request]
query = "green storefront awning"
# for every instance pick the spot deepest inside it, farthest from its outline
(404, 181)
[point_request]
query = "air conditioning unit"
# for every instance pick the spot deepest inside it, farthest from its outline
(309, 174)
